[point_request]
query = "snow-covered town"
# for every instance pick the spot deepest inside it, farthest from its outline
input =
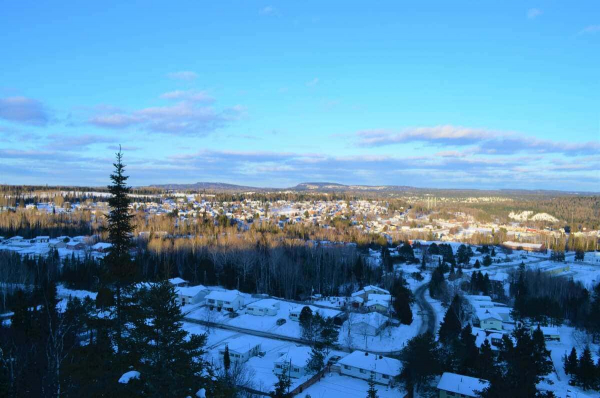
(423, 270)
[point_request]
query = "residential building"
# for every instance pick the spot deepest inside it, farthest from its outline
(263, 307)
(229, 300)
(294, 360)
(369, 324)
(364, 365)
(453, 385)
(191, 294)
(241, 349)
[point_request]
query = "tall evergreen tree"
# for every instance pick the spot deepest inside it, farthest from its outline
(451, 325)
(571, 363)
(121, 267)
(586, 371)
(170, 363)
(372, 392)
(421, 362)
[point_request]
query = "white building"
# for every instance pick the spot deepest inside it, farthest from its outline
(489, 319)
(364, 365)
(454, 385)
(241, 349)
(369, 324)
(229, 300)
(367, 290)
(295, 312)
(294, 360)
(592, 257)
(263, 307)
(178, 282)
(190, 294)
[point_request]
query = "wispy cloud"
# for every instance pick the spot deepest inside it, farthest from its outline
(188, 95)
(591, 29)
(64, 142)
(23, 110)
(533, 13)
(183, 75)
(268, 10)
(484, 141)
(313, 82)
(188, 115)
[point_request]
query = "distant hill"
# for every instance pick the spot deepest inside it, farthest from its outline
(335, 187)
(209, 186)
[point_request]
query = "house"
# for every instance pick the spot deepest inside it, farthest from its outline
(364, 292)
(230, 300)
(263, 307)
(453, 385)
(75, 245)
(100, 247)
(530, 247)
(190, 294)
(379, 302)
(550, 333)
(364, 365)
(178, 282)
(241, 348)
(369, 324)
(57, 243)
(294, 361)
(41, 239)
(489, 319)
(295, 312)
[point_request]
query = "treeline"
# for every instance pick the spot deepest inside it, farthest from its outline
(551, 301)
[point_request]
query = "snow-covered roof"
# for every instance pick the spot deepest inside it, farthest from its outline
(242, 344)
(377, 363)
(132, 374)
(99, 245)
(190, 291)
(265, 303)
(371, 318)
(298, 356)
(460, 384)
(370, 288)
(223, 295)
(177, 281)
(487, 314)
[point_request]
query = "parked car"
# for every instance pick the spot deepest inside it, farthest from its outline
(280, 321)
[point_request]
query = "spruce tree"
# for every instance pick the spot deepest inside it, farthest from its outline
(541, 355)
(316, 362)
(451, 325)
(282, 387)
(118, 259)
(571, 363)
(226, 360)
(170, 363)
(586, 371)
(421, 363)
(372, 392)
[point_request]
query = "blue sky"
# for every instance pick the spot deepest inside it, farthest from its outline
(424, 93)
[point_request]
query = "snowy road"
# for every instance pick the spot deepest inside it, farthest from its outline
(427, 313)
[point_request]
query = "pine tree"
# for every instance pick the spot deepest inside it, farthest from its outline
(226, 360)
(541, 355)
(282, 387)
(372, 392)
(329, 335)
(586, 371)
(316, 362)
(306, 323)
(451, 325)
(571, 363)
(421, 362)
(487, 362)
(170, 363)
(119, 262)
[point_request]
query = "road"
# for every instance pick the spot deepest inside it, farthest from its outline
(426, 310)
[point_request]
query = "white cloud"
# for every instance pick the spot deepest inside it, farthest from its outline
(533, 13)
(268, 10)
(313, 82)
(591, 29)
(183, 75)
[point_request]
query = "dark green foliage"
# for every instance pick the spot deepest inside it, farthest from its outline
(372, 391)
(170, 361)
(316, 362)
(438, 287)
(402, 299)
(451, 325)
(421, 363)
(586, 375)
(282, 387)
(571, 362)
